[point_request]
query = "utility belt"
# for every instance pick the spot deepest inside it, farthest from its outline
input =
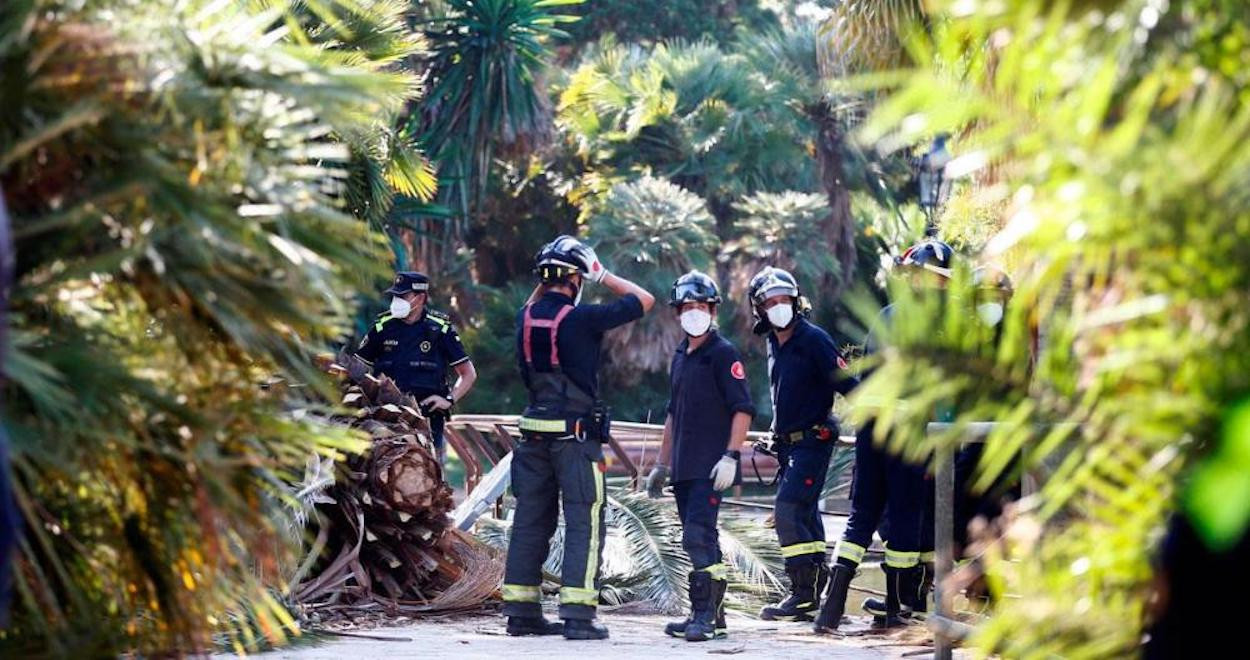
(595, 425)
(825, 431)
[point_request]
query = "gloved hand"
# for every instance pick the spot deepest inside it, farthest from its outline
(723, 473)
(435, 402)
(657, 480)
(590, 261)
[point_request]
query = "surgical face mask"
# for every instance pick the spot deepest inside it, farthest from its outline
(696, 322)
(991, 313)
(400, 308)
(781, 316)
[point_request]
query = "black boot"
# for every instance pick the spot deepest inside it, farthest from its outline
(822, 581)
(803, 599)
(702, 626)
(533, 625)
(678, 628)
(584, 629)
(924, 587)
(896, 583)
(834, 600)
(914, 595)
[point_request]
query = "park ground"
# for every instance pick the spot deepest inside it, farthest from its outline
(633, 637)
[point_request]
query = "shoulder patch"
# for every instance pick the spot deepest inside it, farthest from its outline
(842, 363)
(440, 319)
(737, 370)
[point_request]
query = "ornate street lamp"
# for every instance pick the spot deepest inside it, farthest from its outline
(935, 188)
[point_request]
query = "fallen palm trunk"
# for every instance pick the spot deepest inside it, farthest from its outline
(384, 542)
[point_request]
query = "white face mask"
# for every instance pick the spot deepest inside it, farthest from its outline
(990, 313)
(400, 308)
(696, 322)
(781, 315)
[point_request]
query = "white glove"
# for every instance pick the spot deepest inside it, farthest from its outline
(590, 261)
(723, 473)
(436, 402)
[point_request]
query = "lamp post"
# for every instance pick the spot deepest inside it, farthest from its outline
(935, 188)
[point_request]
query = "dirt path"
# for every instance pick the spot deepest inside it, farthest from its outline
(633, 637)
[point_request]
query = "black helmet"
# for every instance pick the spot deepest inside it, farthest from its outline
(409, 281)
(557, 260)
(930, 254)
(694, 287)
(771, 282)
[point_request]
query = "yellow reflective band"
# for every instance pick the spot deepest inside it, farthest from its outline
(928, 557)
(382, 321)
(575, 596)
(543, 425)
(851, 551)
(802, 549)
(521, 593)
(717, 571)
(592, 557)
(897, 559)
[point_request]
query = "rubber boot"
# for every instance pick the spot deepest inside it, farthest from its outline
(584, 629)
(702, 626)
(920, 604)
(822, 581)
(914, 597)
(803, 599)
(533, 625)
(834, 605)
(896, 580)
(678, 628)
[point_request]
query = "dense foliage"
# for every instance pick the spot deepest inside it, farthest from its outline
(179, 176)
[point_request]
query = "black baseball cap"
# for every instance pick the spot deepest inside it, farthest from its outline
(409, 281)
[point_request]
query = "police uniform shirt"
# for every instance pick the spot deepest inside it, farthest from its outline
(709, 385)
(581, 334)
(415, 355)
(805, 373)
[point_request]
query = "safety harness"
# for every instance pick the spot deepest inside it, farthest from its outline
(556, 403)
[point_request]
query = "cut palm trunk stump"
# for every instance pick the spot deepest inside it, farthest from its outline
(384, 544)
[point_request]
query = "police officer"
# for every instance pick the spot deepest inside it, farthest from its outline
(884, 483)
(805, 370)
(559, 462)
(709, 412)
(415, 345)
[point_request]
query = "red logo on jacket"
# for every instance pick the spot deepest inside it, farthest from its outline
(738, 371)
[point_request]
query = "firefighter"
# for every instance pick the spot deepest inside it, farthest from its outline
(709, 413)
(805, 371)
(558, 464)
(415, 346)
(885, 483)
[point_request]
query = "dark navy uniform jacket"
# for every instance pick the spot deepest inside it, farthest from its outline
(708, 387)
(417, 355)
(805, 373)
(580, 336)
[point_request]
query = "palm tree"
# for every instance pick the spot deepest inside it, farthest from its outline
(177, 175)
(651, 231)
(693, 113)
(1121, 176)
(485, 99)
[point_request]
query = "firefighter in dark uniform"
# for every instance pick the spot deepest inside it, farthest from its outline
(805, 370)
(885, 485)
(709, 413)
(415, 345)
(559, 462)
